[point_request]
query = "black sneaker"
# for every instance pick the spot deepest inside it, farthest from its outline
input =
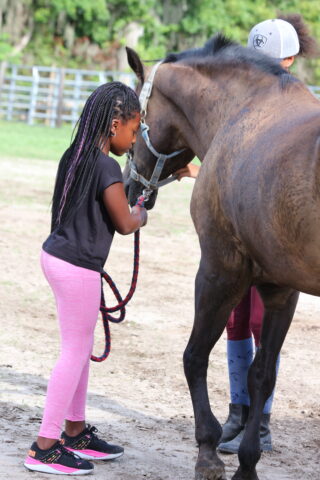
(56, 459)
(89, 446)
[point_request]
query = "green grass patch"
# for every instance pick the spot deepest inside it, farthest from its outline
(20, 140)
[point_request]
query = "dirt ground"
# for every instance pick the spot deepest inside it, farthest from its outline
(138, 397)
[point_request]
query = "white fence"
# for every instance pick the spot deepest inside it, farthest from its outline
(54, 95)
(50, 95)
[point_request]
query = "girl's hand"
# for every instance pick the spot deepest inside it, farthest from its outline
(191, 170)
(116, 204)
(137, 210)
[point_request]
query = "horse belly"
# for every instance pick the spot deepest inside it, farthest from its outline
(287, 250)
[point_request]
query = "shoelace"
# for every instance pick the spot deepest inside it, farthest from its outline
(67, 452)
(93, 431)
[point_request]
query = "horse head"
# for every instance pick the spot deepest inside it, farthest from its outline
(161, 141)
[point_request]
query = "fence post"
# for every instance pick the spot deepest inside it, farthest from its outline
(60, 98)
(34, 93)
(55, 101)
(76, 98)
(3, 68)
(50, 99)
(11, 92)
(102, 78)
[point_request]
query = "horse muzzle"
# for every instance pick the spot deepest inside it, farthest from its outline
(134, 190)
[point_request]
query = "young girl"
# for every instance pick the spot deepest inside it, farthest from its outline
(88, 205)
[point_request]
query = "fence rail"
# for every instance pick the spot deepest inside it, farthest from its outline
(51, 95)
(54, 95)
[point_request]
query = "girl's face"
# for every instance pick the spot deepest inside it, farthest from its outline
(124, 134)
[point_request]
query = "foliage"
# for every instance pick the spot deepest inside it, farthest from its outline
(80, 33)
(5, 47)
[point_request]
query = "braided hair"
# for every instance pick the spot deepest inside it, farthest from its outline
(76, 167)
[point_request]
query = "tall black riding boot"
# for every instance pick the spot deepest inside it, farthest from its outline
(238, 415)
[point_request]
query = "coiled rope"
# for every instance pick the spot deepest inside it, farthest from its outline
(106, 311)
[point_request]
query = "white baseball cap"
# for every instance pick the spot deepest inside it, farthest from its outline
(276, 38)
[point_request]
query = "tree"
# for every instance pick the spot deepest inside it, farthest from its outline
(86, 33)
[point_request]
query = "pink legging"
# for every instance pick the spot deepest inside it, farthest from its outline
(77, 292)
(246, 318)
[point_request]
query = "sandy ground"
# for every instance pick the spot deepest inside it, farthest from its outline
(138, 397)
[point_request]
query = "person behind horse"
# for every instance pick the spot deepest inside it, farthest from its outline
(279, 39)
(88, 205)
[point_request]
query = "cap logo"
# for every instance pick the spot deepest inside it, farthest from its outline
(259, 41)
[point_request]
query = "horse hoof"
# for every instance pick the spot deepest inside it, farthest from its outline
(208, 474)
(240, 475)
(210, 469)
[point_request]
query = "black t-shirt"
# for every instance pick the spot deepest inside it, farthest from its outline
(85, 239)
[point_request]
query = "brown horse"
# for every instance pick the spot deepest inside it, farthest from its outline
(255, 207)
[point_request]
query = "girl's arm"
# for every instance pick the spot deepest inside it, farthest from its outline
(190, 170)
(116, 203)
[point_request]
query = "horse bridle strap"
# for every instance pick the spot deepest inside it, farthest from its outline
(153, 183)
(146, 90)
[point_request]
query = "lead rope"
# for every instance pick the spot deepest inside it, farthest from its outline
(105, 311)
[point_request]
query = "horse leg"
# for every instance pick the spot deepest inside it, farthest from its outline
(280, 304)
(215, 297)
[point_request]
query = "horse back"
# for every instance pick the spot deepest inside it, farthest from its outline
(260, 187)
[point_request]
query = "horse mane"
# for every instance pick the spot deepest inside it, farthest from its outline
(212, 46)
(221, 52)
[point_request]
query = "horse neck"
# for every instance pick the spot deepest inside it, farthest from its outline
(205, 103)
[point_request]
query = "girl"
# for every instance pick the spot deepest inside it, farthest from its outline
(88, 205)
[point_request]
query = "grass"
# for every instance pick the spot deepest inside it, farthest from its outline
(20, 140)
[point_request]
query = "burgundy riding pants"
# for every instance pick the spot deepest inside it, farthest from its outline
(246, 318)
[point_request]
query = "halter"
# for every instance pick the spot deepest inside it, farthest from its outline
(153, 183)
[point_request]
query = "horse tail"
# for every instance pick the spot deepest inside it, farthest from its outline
(308, 45)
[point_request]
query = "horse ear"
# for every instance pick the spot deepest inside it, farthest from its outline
(135, 63)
